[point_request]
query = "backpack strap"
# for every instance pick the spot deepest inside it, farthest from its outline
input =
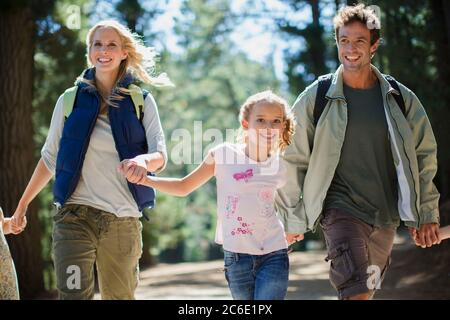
(138, 100)
(321, 100)
(325, 83)
(398, 97)
(69, 100)
(137, 96)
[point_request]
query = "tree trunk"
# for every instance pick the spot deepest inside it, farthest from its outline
(317, 46)
(16, 142)
(446, 14)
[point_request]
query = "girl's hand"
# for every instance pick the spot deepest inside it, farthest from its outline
(133, 170)
(294, 237)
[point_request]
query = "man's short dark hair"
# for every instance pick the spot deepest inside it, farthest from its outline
(361, 13)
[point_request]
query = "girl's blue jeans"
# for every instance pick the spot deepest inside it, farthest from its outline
(257, 277)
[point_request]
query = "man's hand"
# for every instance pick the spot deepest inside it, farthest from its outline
(427, 235)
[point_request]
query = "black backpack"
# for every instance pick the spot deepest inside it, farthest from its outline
(325, 83)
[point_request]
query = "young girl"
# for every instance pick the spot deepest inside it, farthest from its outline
(8, 280)
(256, 259)
(103, 120)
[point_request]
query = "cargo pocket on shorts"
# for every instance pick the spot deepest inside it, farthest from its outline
(342, 266)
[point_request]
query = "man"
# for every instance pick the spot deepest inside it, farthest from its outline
(363, 166)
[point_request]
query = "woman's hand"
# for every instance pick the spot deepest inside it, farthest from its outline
(18, 220)
(134, 170)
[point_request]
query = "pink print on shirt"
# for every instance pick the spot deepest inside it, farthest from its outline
(243, 175)
(243, 229)
(231, 206)
(266, 199)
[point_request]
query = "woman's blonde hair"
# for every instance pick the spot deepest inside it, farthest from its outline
(270, 98)
(140, 61)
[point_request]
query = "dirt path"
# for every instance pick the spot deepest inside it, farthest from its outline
(409, 277)
(186, 281)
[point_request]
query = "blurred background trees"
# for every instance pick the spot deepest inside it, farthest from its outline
(41, 55)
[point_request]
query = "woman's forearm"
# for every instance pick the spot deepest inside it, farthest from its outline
(41, 176)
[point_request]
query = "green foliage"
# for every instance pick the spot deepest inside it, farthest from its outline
(59, 58)
(164, 229)
(312, 60)
(212, 82)
(213, 79)
(46, 213)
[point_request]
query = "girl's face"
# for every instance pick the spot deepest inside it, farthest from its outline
(265, 124)
(106, 51)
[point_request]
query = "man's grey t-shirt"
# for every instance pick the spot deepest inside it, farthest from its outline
(365, 181)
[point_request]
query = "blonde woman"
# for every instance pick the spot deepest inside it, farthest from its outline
(248, 174)
(94, 126)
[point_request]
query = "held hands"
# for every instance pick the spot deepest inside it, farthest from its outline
(294, 237)
(426, 236)
(134, 170)
(16, 224)
(19, 220)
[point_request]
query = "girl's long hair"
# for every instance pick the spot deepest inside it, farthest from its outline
(270, 98)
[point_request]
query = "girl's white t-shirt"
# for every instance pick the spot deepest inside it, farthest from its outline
(247, 221)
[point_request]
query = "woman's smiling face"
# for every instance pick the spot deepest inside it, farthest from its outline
(106, 51)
